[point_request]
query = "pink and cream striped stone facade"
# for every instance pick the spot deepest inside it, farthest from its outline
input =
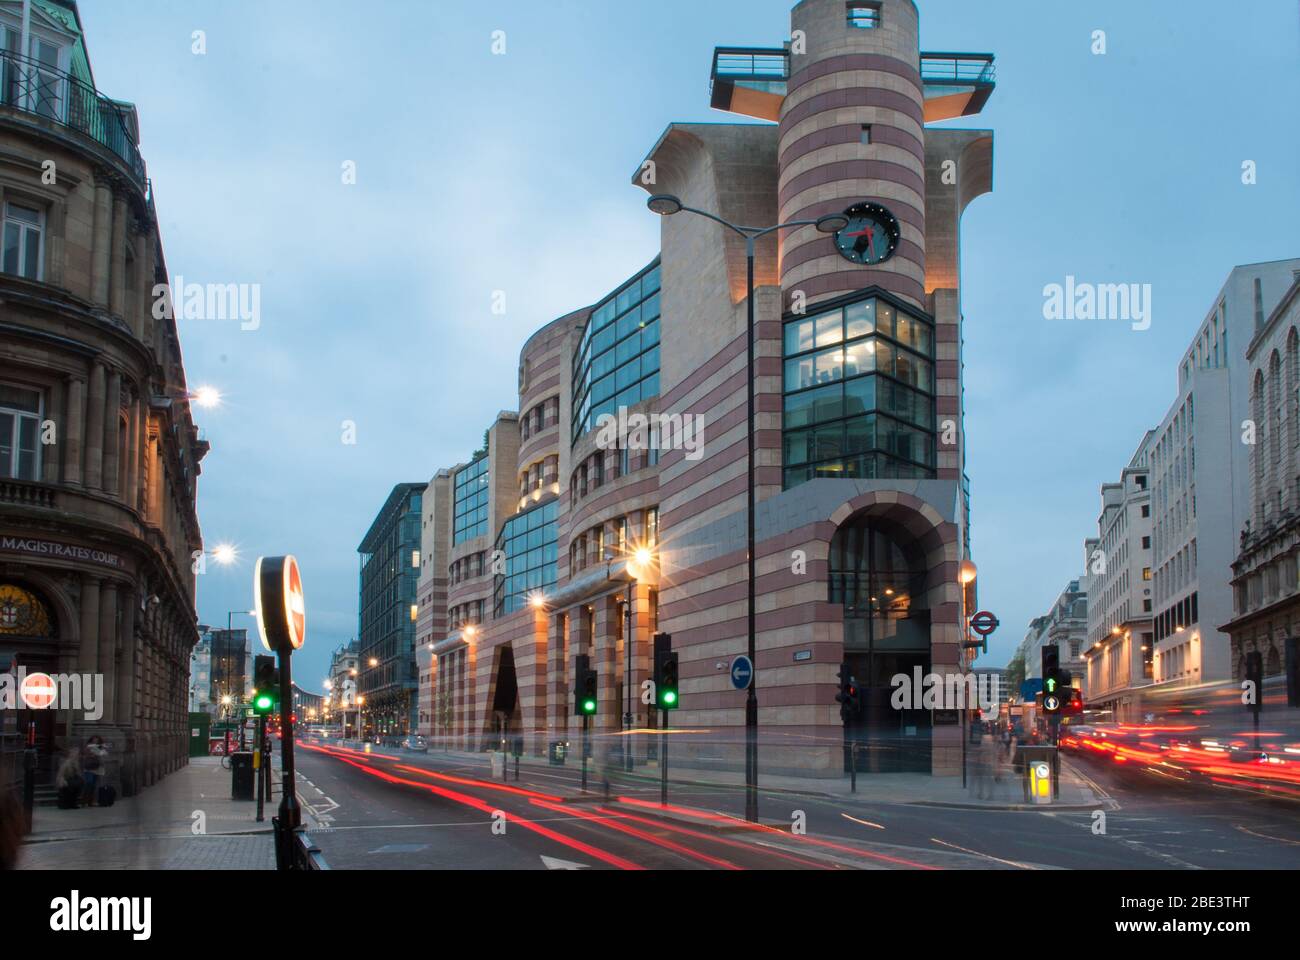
(689, 512)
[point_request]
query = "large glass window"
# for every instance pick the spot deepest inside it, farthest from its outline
(859, 393)
(471, 502)
(528, 543)
(20, 419)
(617, 363)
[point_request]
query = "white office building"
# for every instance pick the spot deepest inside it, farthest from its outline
(1198, 456)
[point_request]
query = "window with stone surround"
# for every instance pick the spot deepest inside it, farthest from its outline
(20, 422)
(864, 16)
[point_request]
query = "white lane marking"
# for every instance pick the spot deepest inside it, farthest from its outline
(552, 863)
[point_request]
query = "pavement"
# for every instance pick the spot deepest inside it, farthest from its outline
(186, 821)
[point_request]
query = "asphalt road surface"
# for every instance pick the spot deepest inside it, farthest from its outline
(392, 809)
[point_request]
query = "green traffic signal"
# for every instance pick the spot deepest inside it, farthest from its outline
(1051, 684)
(670, 696)
(589, 706)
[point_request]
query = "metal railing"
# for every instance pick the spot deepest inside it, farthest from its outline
(751, 63)
(957, 68)
(296, 850)
(32, 87)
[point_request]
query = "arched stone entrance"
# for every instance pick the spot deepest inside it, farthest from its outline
(893, 571)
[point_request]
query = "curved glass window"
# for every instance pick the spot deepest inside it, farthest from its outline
(617, 363)
(859, 393)
(528, 544)
(471, 502)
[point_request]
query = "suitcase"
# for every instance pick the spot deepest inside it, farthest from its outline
(106, 796)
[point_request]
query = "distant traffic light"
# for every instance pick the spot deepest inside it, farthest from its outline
(1255, 676)
(1058, 688)
(665, 673)
(850, 696)
(585, 699)
(266, 684)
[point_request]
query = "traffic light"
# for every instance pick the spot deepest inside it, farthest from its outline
(850, 696)
(665, 672)
(1255, 675)
(584, 687)
(266, 684)
(1058, 690)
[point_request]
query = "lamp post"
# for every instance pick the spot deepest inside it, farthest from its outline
(666, 205)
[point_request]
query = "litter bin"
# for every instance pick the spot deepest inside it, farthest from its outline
(1040, 768)
(241, 775)
(556, 753)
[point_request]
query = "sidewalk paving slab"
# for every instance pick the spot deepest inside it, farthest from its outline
(156, 829)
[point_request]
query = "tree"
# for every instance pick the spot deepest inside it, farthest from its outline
(1016, 672)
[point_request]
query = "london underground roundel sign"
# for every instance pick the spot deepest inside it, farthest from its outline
(281, 609)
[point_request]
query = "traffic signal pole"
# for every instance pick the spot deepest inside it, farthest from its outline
(586, 723)
(663, 761)
(263, 773)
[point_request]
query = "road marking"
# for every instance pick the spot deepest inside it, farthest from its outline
(552, 863)
(865, 823)
(1264, 836)
(984, 856)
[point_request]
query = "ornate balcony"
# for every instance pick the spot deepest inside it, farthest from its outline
(51, 96)
(23, 493)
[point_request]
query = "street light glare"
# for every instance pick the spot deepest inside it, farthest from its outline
(225, 554)
(207, 397)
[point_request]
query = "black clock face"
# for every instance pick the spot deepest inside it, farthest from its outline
(871, 236)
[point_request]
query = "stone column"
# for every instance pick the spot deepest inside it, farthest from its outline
(557, 688)
(73, 430)
(94, 476)
(112, 433)
(125, 705)
(607, 662)
(108, 647)
(50, 455)
(131, 495)
(642, 656)
(101, 245)
(117, 252)
(88, 660)
(143, 473)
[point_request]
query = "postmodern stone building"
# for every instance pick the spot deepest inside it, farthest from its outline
(584, 530)
(99, 454)
(1266, 572)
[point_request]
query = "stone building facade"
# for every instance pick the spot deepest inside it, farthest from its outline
(99, 454)
(1266, 572)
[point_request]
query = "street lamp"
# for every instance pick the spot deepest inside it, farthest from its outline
(666, 205)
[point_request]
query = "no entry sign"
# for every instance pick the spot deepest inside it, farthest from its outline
(281, 609)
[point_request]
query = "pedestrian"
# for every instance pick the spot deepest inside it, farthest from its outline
(983, 769)
(92, 766)
(68, 781)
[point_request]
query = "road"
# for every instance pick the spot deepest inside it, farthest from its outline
(391, 809)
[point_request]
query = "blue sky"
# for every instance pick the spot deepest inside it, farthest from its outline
(478, 173)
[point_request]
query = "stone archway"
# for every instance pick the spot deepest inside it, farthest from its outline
(893, 568)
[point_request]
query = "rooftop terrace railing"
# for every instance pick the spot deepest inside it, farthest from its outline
(33, 87)
(957, 68)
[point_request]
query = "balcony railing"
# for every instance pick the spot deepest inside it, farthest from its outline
(751, 64)
(958, 68)
(25, 494)
(32, 87)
